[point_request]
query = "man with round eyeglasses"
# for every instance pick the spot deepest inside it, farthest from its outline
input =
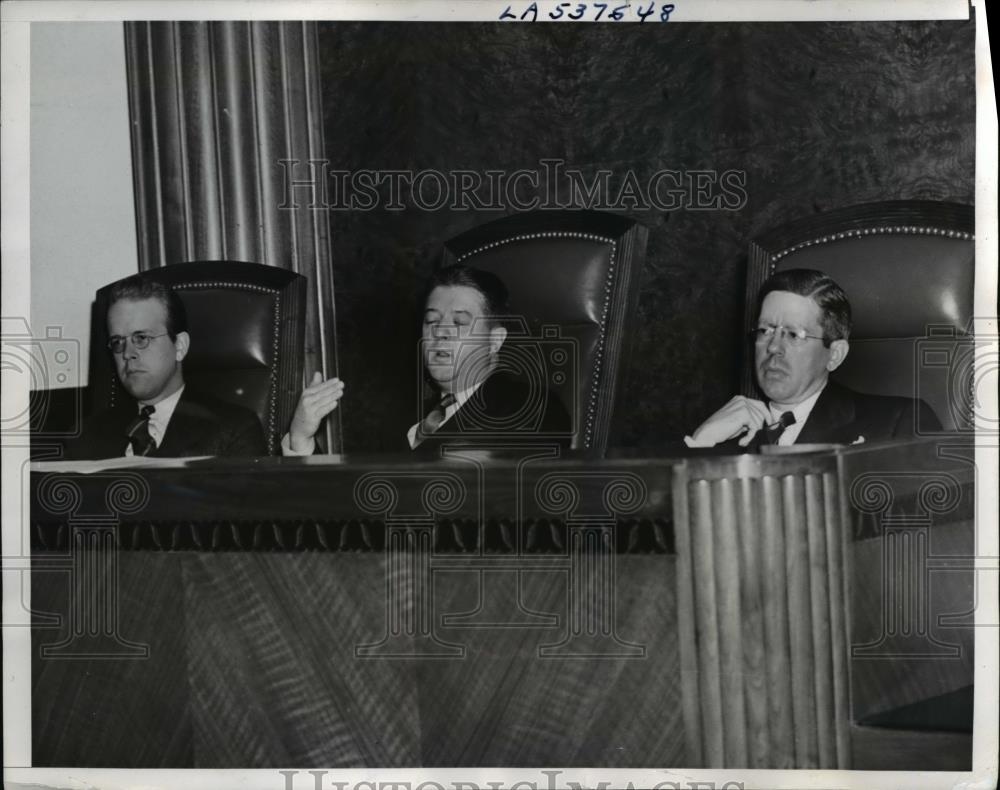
(148, 341)
(802, 336)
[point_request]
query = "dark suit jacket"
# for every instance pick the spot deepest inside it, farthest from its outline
(841, 416)
(200, 425)
(504, 410)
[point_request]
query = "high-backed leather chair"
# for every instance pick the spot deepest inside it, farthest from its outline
(908, 269)
(247, 326)
(573, 277)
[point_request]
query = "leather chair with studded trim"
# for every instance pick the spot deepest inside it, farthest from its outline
(247, 324)
(908, 268)
(573, 279)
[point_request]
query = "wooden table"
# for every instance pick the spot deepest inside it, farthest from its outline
(486, 610)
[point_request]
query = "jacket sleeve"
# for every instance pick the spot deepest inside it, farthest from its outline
(914, 420)
(246, 438)
(927, 420)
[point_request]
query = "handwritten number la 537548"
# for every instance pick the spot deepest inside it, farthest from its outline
(617, 13)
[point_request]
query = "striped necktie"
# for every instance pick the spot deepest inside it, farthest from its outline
(138, 432)
(435, 417)
(771, 434)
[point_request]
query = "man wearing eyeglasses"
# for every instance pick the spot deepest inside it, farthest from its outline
(148, 340)
(804, 322)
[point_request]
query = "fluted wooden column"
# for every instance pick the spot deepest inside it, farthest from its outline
(219, 110)
(762, 611)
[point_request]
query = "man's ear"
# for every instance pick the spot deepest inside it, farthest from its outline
(182, 343)
(838, 353)
(497, 335)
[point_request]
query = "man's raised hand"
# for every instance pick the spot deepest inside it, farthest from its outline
(317, 400)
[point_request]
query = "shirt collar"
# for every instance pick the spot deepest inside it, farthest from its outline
(162, 412)
(801, 410)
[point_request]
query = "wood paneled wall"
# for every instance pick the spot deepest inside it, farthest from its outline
(817, 116)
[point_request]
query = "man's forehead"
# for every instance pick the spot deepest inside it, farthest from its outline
(786, 307)
(150, 311)
(455, 298)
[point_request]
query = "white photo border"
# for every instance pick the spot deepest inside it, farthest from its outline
(14, 43)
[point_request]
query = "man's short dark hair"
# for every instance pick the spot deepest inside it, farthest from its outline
(835, 318)
(491, 287)
(137, 287)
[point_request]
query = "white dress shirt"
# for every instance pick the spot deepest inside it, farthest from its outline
(159, 419)
(800, 410)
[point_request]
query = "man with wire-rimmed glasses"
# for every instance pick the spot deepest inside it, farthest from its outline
(148, 340)
(802, 335)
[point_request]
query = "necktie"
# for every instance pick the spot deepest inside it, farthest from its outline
(770, 434)
(433, 420)
(138, 432)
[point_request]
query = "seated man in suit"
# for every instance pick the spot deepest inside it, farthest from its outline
(148, 339)
(476, 396)
(803, 326)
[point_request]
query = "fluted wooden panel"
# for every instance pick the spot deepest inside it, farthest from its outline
(215, 108)
(762, 613)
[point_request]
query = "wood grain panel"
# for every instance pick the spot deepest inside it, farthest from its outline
(273, 673)
(253, 664)
(912, 583)
(508, 703)
(114, 711)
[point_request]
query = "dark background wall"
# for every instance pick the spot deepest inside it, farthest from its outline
(817, 115)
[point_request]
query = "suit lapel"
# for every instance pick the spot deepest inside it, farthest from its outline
(469, 417)
(113, 438)
(187, 429)
(466, 418)
(177, 437)
(834, 410)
